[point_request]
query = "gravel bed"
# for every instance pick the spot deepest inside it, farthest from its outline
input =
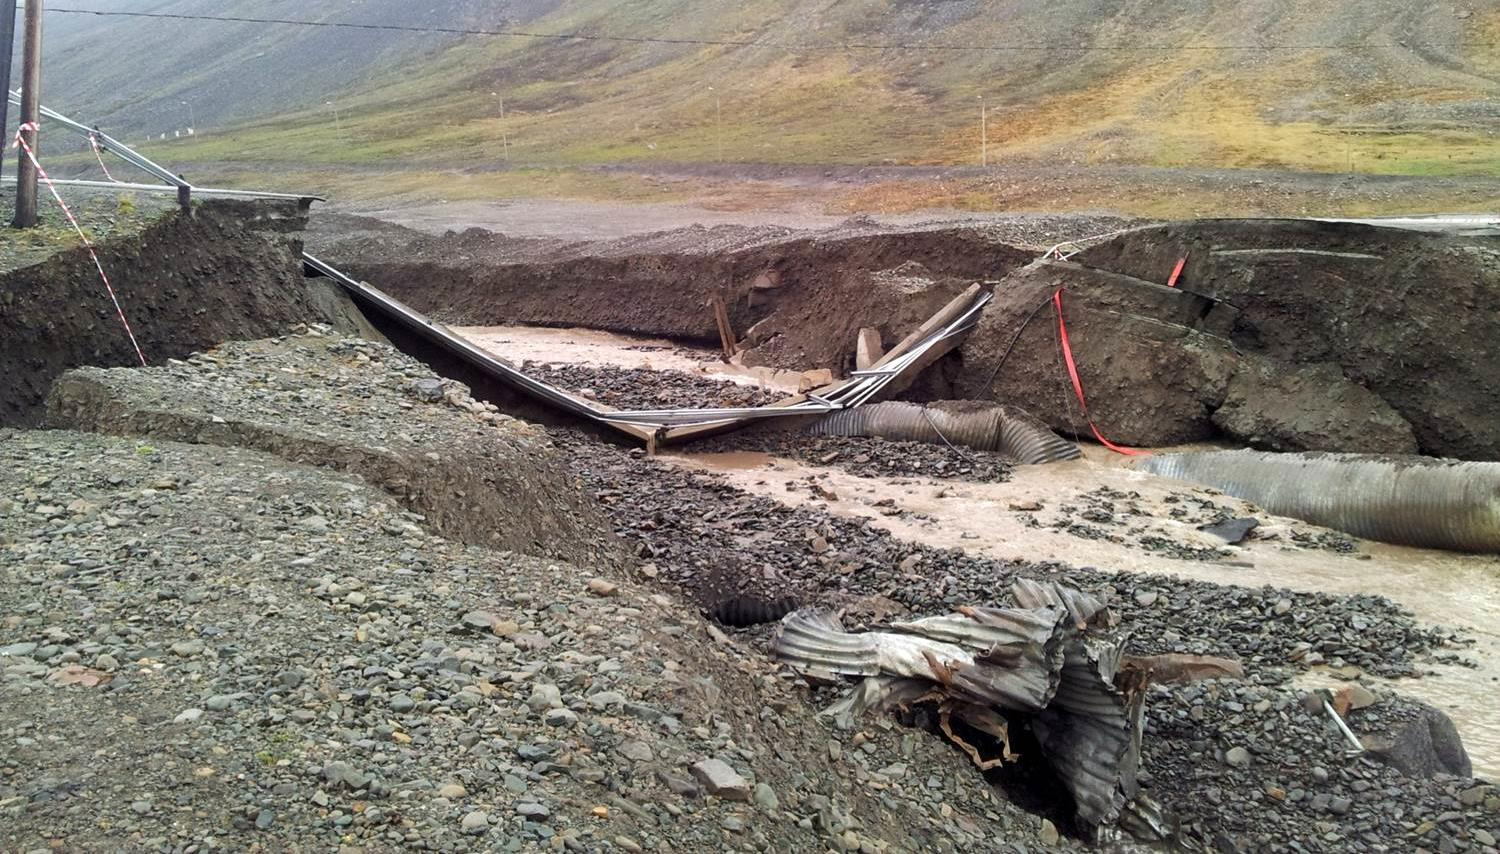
(716, 541)
(870, 457)
(207, 648)
(297, 660)
(1299, 790)
(638, 388)
(1248, 768)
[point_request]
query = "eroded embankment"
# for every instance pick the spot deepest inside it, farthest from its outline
(188, 281)
(472, 699)
(1286, 335)
(795, 300)
(361, 407)
(328, 668)
(1405, 317)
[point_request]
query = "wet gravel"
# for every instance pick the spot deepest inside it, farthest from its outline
(870, 457)
(1299, 790)
(1249, 768)
(299, 660)
(715, 541)
(638, 388)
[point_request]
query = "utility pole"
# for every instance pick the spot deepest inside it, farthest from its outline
(984, 133)
(338, 125)
(7, 47)
(504, 133)
(31, 100)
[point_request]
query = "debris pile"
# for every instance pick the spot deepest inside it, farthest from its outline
(1057, 663)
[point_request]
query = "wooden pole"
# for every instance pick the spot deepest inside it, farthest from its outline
(7, 44)
(31, 101)
(726, 331)
(984, 134)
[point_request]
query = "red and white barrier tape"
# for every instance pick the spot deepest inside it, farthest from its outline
(1067, 348)
(30, 155)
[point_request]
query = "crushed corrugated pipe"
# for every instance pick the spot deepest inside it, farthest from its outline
(1056, 663)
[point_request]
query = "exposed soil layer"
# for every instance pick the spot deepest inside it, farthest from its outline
(474, 475)
(796, 298)
(229, 270)
(1407, 315)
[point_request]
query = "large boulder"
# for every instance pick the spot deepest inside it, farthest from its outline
(1425, 744)
(1281, 407)
(1152, 368)
(1408, 315)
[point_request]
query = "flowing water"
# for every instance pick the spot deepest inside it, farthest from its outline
(596, 348)
(1442, 588)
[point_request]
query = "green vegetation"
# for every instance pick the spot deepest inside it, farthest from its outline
(587, 103)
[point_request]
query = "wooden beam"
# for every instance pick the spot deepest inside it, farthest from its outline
(726, 332)
(867, 348)
(944, 316)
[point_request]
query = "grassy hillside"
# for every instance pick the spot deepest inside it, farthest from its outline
(1376, 86)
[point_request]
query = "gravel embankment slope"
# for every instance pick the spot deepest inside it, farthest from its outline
(211, 646)
(286, 660)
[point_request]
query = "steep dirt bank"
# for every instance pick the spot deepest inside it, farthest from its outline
(1283, 334)
(1410, 316)
(796, 299)
(186, 282)
(474, 475)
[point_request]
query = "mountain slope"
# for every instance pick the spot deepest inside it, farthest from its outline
(1164, 82)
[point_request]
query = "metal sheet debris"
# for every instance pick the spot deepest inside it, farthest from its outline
(1056, 664)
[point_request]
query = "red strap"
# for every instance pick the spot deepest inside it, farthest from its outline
(1067, 348)
(1177, 272)
(30, 155)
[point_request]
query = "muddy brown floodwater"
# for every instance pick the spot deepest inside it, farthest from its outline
(1012, 521)
(1444, 588)
(598, 348)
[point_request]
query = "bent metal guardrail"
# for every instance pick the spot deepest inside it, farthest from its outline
(940, 333)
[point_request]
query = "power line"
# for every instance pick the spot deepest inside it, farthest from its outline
(789, 46)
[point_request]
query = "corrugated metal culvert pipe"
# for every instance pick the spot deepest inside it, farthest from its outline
(1008, 430)
(1416, 501)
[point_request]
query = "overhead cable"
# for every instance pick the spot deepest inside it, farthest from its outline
(788, 46)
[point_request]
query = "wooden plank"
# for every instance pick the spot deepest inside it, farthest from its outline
(944, 316)
(867, 349)
(726, 332)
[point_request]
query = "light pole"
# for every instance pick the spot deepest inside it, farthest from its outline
(192, 119)
(338, 126)
(504, 133)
